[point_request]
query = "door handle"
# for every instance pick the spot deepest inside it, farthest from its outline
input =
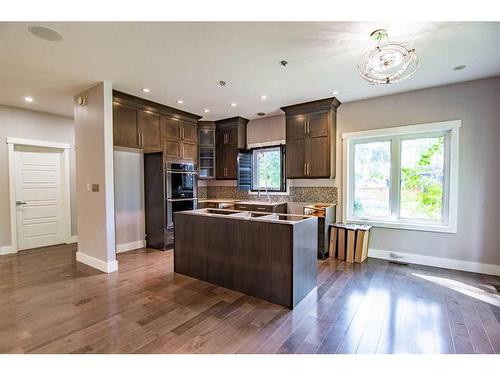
(20, 203)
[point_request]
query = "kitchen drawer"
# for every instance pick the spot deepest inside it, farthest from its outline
(253, 207)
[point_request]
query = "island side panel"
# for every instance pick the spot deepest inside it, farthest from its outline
(305, 242)
(251, 257)
(266, 260)
(204, 248)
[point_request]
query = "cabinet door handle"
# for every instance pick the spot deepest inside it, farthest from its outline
(305, 127)
(308, 169)
(142, 139)
(305, 168)
(308, 126)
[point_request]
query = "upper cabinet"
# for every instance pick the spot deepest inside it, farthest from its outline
(152, 127)
(150, 131)
(231, 135)
(126, 126)
(310, 139)
(206, 149)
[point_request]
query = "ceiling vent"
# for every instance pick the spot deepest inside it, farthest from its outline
(261, 113)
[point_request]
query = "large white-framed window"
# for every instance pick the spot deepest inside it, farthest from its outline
(403, 177)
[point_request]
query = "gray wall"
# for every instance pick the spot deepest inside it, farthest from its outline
(21, 123)
(129, 189)
(477, 104)
(94, 165)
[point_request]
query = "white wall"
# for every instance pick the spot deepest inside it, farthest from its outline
(22, 123)
(476, 103)
(129, 197)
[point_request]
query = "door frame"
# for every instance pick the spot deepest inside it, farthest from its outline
(65, 185)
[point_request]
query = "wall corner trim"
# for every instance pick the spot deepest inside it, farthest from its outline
(453, 264)
(4, 250)
(123, 247)
(97, 263)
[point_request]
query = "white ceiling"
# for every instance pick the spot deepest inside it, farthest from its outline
(186, 61)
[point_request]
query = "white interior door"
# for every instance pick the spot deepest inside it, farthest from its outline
(38, 197)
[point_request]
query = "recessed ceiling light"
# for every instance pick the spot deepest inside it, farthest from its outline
(263, 97)
(180, 101)
(460, 67)
(206, 110)
(28, 99)
(146, 90)
(45, 33)
(335, 92)
(233, 104)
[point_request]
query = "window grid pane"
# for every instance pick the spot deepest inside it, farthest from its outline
(422, 178)
(372, 176)
(267, 169)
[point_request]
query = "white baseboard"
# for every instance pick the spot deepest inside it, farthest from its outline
(72, 239)
(4, 250)
(120, 248)
(97, 263)
(454, 264)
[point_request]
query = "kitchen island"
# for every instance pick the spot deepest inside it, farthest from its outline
(268, 256)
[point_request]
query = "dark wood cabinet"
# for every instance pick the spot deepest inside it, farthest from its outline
(125, 126)
(170, 128)
(295, 162)
(206, 150)
(150, 131)
(227, 162)
(171, 149)
(188, 133)
(154, 200)
(230, 137)
(153, 127)
(310, 139)
(179, 138)
(280, 208)
(189, 151)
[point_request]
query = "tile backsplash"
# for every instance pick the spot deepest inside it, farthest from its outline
(306, 194)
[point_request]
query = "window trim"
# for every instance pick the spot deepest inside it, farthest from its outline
(284, 185)
(407, 132)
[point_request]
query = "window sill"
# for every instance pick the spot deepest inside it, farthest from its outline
(406, 226)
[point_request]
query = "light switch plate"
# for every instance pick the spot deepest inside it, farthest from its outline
(95, 188)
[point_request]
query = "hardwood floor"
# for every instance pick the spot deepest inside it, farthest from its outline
(52, 304)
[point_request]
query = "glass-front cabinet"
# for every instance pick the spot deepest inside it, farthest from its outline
(206, 150)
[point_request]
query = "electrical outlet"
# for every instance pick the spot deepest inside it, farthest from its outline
(95, 188)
